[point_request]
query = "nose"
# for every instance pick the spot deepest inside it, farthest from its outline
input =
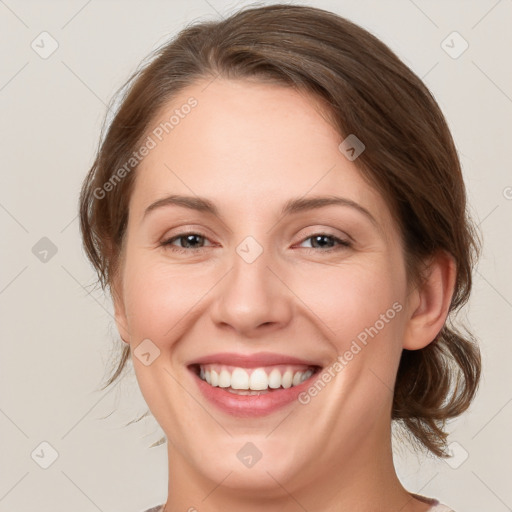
(253, 298)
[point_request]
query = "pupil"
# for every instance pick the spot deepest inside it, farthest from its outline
(190, 239)
(319, 238)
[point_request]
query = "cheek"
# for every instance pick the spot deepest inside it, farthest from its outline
(159, 296)
(359, 308)
(349, 298)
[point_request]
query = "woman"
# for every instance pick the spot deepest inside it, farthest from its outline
(278, 211)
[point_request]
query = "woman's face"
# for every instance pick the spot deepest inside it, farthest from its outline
(262, 279)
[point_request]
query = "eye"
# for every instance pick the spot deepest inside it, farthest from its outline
(326, 242)
(188, 242)
(192, 242)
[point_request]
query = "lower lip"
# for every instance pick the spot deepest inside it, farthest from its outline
(251, 405)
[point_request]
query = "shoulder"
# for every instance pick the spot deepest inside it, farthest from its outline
(436, 505)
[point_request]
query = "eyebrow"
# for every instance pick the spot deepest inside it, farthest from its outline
(292, 206)
(309, 203)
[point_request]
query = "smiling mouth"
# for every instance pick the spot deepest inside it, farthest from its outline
(254, 381)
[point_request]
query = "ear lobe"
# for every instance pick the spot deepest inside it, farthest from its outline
(431, 302)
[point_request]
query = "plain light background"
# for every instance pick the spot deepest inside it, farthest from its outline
(57, 333)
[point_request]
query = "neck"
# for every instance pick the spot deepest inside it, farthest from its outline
(363, 478)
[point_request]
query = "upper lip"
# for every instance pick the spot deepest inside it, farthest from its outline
(251, 361)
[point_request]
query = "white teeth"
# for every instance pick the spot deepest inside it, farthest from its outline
(286, 381)
(297, 378)
(224, 379)
(274, 379)
(258, 379)
(306, 375)
(239, 379)
(255, 380)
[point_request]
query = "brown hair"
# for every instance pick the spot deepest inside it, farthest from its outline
(410, 158)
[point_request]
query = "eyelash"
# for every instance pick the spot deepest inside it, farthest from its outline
(342, 244)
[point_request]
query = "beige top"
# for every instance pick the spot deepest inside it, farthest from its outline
(436, 506)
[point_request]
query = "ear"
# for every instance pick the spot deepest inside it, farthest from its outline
(119, 311)
(430, 303)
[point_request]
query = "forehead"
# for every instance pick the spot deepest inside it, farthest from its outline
(245, 125)
(248, 143)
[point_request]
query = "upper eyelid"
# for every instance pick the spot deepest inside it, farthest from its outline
(191, 229)
(327, 231)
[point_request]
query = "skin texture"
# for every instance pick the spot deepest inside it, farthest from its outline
(249, 147)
